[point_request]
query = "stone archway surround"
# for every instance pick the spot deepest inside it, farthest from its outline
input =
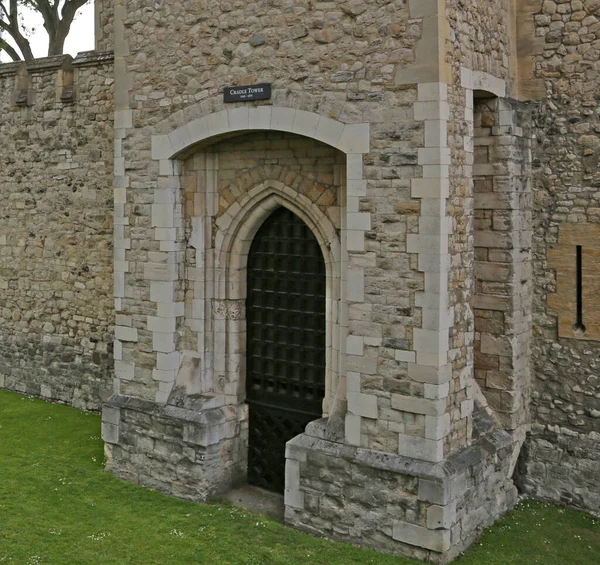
(205, 439)
(344, 279)
(213, 416)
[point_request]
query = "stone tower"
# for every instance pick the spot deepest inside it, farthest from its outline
(355, 256)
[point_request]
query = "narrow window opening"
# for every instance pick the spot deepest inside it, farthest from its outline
(579, 326)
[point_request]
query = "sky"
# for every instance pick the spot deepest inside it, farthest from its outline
(81, 37)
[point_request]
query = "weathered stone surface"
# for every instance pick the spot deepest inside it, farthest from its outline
(561, 454)
(394, 132)
(56, 168)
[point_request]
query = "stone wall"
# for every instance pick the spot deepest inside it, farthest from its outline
(104, 25)
(329, 64)
(561, 459)
(56, 157)
(482, 36)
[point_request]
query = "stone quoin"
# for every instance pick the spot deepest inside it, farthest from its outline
(374, 290)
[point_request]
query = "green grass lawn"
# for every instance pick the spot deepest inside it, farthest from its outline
(57, 505)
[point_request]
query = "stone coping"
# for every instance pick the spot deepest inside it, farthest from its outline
(201, 409)
(44, 64)
(459, 462)
(10, 69)
(90, 58)
(49, 63)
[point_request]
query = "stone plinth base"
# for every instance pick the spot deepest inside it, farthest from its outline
(396, 504)
(195, 451)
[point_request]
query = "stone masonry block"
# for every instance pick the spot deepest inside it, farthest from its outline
(161, 147)
(161, 271)
(329, 131)
(294, 498)
(352, 429)
(163, 215)
(434, 491)
(355, 166)
(161, 291)
(419, 405)
(168, 361)
(124, 333)
(421, 448)
(438, 188)
(110, 433)
(198, 129)
(356, 284)
(305, 123)
(432, 91)
(239, 118)
(363, 405)
(435, 540)
(124, 370)
(160, 324)
(170, 309)
(433, 110)
(441, 517)
(163, 342)
(430, 375)
(353, 381)
(260, 118)
(111, 415)
(355, 345)
(356, 138)
(437, 427)
(292, 474)
(432, 341)
(436, 133)
(434, 156)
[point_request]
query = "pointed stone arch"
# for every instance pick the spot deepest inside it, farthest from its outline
(236, 231)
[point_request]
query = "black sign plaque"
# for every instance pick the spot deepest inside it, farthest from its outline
(247, 93)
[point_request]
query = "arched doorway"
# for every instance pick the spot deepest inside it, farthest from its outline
(286, 336)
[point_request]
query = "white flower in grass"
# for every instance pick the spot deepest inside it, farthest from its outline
(176, 533)
(99, 537)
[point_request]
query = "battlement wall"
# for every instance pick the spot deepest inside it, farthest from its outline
(56, 165)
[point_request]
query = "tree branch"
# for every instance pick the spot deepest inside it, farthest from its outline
(56, 24)
(12, 28)
(9, 50)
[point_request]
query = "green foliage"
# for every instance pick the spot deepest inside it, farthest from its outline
(58, 506)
